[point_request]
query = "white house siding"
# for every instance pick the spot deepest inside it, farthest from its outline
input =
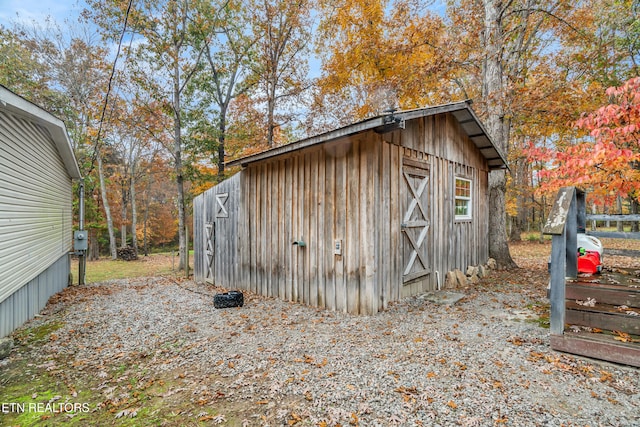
(35, 215)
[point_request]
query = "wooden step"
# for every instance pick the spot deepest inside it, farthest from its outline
(597, 346)
(602, 316)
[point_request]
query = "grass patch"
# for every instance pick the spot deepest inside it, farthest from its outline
(37, 334)
(534, 236)
(542, 311)
(164, 264)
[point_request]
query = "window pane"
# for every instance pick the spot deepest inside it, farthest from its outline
(462, 208)
(463, 198)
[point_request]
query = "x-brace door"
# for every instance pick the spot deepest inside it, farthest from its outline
(415, 221)
(210, 234)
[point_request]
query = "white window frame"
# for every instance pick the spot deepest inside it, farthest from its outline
(464, 198)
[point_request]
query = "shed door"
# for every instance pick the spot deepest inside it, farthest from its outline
(210, 235)
(415, 219)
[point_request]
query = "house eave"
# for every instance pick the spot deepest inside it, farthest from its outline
(461, 110)
(19, 106)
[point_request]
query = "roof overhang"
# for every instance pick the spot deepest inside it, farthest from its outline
(19, 106)
(462, 111)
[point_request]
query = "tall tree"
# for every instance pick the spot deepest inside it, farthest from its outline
(372, 64)
(162, 63)
(607, 159)
(223, 34)
(284, 30)
(513, 37)
(73, 75)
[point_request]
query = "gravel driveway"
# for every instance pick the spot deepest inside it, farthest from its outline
(483, 361)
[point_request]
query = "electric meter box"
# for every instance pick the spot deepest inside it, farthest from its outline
(80, 241)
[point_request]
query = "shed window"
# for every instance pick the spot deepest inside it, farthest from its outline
(463, 198)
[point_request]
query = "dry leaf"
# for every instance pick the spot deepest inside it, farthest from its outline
(354, 419)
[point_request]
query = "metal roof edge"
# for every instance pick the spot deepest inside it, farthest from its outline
(365, 125)
(484, 130)
(20, 106)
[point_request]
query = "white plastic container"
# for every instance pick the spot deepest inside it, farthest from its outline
(590, 243)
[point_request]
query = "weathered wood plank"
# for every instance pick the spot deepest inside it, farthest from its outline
(277, 216)
(300, 229)
(287, 233)
(584, 316)
(369, 227)
(329, 232)
(295, 229)
(384, 237)
(353, 229)
(559, 212)
(262, 222)
(253, 224)
(603, 217)
(571, 233)
(614, 234)
(324, 245)
(245, 232)
(395, 236)
(340, 227)
(303, 272)
(312, 217)
(614, 295)
(597, 347)
(557, 292)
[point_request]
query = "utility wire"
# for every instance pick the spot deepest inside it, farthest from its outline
(96, 146)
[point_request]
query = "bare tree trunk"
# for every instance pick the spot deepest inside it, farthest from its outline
(134, 210)
(123, 214)
(94, 248)
(493, 96)
(107, 210)
(222, 117)
(519, 221)
(177, 153)
(146, 217)
(271, 105)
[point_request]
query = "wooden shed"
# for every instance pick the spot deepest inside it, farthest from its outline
(37, 167)
(354, 218)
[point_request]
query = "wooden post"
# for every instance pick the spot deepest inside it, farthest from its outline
(562, 224)
(557, 292)
(571, 238)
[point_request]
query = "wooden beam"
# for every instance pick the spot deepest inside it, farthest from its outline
(591, 317)
(614, 234)
(596, 217)
(558, 217)
(605, 294)
(557, 292)
(600, 347)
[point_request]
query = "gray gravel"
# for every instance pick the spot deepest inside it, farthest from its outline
(480, 362)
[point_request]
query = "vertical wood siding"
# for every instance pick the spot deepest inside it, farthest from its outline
(35, 204)
(349, 190)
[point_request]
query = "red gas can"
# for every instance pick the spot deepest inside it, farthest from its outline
(589, 262)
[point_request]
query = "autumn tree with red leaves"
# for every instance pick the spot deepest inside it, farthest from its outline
(606, 161)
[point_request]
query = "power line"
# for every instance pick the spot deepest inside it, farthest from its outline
(106, 98)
